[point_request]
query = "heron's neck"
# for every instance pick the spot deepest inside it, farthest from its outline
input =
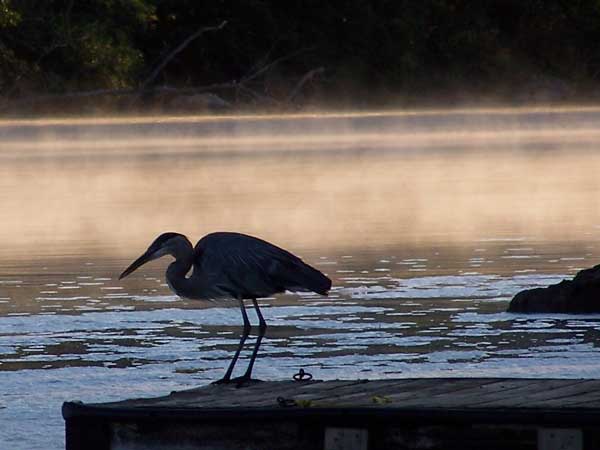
(177, 271)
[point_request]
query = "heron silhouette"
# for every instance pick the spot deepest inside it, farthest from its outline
(234, 266)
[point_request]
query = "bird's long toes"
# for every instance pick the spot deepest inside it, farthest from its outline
(245, 381)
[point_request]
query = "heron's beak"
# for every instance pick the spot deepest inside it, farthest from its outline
(146, 257)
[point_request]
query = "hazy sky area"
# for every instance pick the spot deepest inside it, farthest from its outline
(306, 181)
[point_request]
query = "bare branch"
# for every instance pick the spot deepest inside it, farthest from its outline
(237, 88)
(255, 95)
(178, 49)
(307, 77)
(268, 66)
(261, 61)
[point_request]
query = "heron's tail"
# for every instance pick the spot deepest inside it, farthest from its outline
(302, 277)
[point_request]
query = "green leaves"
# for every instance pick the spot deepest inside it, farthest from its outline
(369, 48)
(381, 399)
(8, 16)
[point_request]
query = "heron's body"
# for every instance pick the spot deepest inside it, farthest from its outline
(232, 265)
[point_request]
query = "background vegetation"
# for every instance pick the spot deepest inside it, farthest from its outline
(371, 52)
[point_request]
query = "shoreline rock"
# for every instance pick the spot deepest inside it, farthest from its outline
(581, 295)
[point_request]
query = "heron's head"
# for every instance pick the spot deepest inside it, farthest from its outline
(166, 244)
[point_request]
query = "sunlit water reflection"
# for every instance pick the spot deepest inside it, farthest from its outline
(426, 245)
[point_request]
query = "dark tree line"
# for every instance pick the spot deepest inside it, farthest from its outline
(366, 49)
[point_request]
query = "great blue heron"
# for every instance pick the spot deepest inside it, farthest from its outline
(232, 265)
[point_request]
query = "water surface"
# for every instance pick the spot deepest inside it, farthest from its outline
(428, 223)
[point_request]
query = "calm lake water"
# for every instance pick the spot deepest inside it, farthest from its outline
(427, 222)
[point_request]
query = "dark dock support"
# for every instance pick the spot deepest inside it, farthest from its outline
(459, 413)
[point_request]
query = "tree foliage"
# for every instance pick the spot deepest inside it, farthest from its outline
(376, 46)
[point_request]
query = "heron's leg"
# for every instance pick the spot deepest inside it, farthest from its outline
(261, 332)
(227, 377)
(244, 316)
(262, 325)
(248, 374)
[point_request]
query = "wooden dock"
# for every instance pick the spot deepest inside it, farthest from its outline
(453, 413)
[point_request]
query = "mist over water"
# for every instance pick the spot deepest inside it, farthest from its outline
(427, 222)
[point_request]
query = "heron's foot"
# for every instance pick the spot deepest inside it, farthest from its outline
(244, 381)
(223, 381)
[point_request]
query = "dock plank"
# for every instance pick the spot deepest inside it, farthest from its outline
(587, 397)
(423, 393)
(457, 393)
(367, 389)
(497, 391)
(540, 394)
(445, 413)
(420, 393)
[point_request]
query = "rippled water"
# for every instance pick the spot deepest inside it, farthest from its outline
(427, 223)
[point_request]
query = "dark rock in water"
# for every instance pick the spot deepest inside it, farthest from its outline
(576, 296)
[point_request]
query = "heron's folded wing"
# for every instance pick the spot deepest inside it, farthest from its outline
(254, 268)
